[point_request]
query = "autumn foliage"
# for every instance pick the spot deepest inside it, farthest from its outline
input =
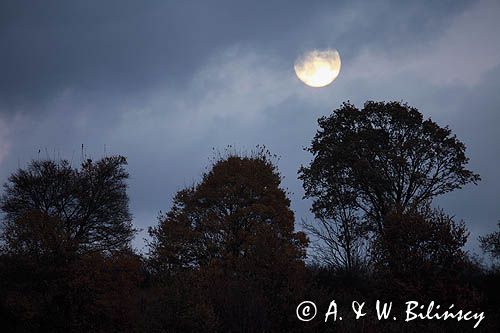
(233, 233)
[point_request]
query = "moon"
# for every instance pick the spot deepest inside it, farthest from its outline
(318, 68)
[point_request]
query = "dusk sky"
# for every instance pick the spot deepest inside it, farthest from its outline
(166, 82)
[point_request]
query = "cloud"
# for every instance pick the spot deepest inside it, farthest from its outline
(4, 140)
(461, 54)
(236, 86)
(126, 47)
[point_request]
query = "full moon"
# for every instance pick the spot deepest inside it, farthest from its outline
(318, 68)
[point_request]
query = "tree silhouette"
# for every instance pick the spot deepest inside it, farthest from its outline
(37, 235)
(87, 206)
(235, 231)
(338, 242)
(382, 157)
(65, 258)
(421, 248)
(491, 243)
(225, 215)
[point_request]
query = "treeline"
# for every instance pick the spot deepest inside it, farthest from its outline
(227, 256)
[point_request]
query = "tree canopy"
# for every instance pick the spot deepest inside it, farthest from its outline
(238, 203)
(86, 206)
(382, 156)
(232, 235)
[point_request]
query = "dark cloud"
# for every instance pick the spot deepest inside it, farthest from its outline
(126, 47)
(121, 47)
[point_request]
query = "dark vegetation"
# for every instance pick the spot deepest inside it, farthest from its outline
(227, 257)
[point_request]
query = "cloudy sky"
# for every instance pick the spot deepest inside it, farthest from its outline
(166, 82)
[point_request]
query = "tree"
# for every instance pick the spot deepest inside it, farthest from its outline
(380, 158)
(38, 236)
(420, 240)
(491, 244)
(421, 254)
(339, 241)
(94, 292)
(234, 232)
(66, 261)
(87, 207)
(224, 215)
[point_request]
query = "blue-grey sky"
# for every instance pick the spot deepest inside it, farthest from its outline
(165, 82)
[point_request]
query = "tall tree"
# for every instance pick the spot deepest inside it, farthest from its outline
(87, 206)
(234, 231)
(65, 260)
(371, 161)
(382, 156)
(224, 215)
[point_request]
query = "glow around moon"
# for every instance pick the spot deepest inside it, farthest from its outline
(318, 68)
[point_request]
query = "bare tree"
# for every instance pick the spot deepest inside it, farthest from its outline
(338, 236)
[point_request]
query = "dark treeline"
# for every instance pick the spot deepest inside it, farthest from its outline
(227, 255)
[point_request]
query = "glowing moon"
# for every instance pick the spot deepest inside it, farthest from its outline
(318, 68)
